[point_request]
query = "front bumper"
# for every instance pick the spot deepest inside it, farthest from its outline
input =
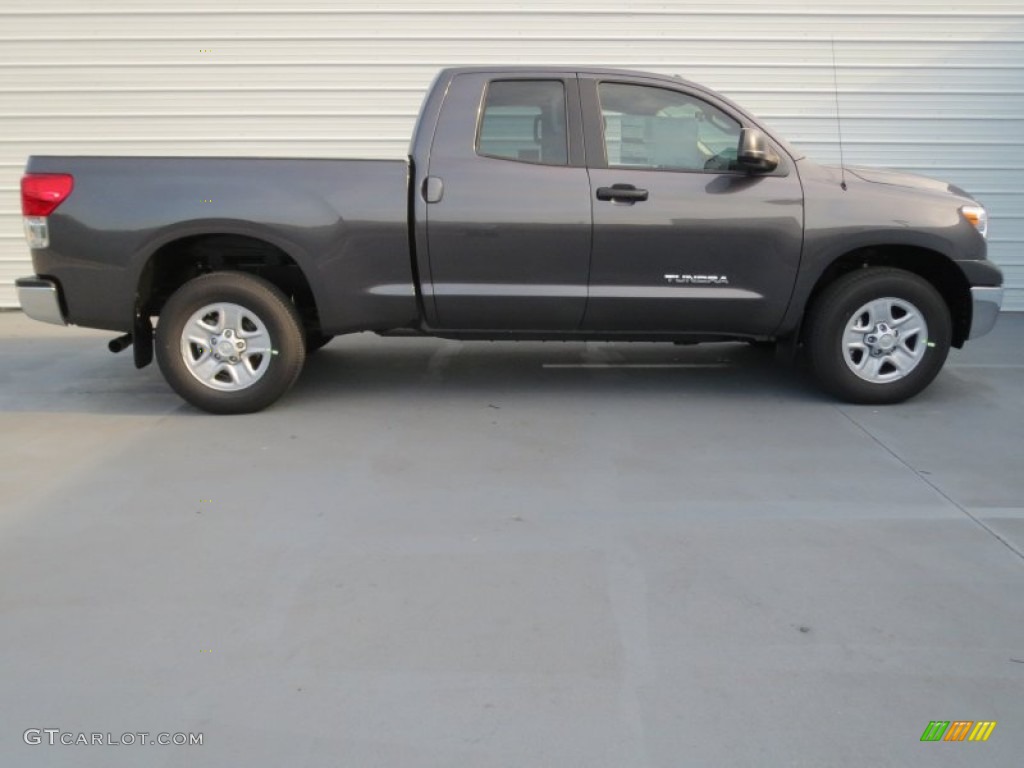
(40, 299)
(986, 302)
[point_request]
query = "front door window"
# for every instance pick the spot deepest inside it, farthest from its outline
(658, 129)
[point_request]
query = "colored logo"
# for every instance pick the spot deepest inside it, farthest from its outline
(958, 730)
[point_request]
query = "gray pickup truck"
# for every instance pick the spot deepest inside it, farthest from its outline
(536, 203)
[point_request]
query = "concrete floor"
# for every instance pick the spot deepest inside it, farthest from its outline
(445, 554)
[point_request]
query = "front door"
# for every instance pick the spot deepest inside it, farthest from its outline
(683, 240)
(508, 205)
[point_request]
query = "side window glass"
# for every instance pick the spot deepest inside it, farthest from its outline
(525, 120)
(647, 127)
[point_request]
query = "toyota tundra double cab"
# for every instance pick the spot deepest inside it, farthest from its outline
(536, 203)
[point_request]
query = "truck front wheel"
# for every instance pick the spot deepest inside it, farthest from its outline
(878, 335)
(229, 342)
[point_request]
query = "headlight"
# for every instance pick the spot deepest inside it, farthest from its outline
(978, 216)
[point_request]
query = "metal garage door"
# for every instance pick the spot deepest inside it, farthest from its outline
(933, 87)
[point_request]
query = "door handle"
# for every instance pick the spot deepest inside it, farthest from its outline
(622, 193)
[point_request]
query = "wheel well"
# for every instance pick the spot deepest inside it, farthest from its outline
(931, 265)
(177, 262)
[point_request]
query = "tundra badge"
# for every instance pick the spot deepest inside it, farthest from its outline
(698, 279)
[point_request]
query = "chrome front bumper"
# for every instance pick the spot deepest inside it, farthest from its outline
(986, 302)
(40, 299)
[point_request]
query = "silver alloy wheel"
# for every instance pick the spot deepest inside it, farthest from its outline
(226, 347)
(885, 340)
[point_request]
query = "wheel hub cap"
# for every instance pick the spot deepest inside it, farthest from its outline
(226, 346)
(881, 339)
(885, 340)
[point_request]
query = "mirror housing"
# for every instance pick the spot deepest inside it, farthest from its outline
(755, 153)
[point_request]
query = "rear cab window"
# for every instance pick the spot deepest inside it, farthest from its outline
(525, 121)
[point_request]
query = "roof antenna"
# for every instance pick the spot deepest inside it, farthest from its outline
(839, 121)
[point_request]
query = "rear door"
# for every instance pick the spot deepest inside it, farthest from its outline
(508, 205)
(683, 241)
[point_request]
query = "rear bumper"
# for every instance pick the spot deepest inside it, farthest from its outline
(40, 299)
(986, 302)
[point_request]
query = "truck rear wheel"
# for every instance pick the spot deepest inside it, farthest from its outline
(229, 342)
(878, 335)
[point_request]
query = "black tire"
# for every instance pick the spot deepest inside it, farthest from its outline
(836, 306)
(316, 340)
(279, 328)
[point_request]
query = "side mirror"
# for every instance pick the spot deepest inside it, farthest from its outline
(755, 153)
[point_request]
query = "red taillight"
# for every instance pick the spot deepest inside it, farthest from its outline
(41, 193)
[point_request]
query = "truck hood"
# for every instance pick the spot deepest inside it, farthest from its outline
(909, 180)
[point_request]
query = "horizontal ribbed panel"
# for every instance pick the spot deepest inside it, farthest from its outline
(927, 86)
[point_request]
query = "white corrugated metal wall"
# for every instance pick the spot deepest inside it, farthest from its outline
(931, 87)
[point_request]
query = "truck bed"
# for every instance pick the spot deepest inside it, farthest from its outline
(343, 222)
